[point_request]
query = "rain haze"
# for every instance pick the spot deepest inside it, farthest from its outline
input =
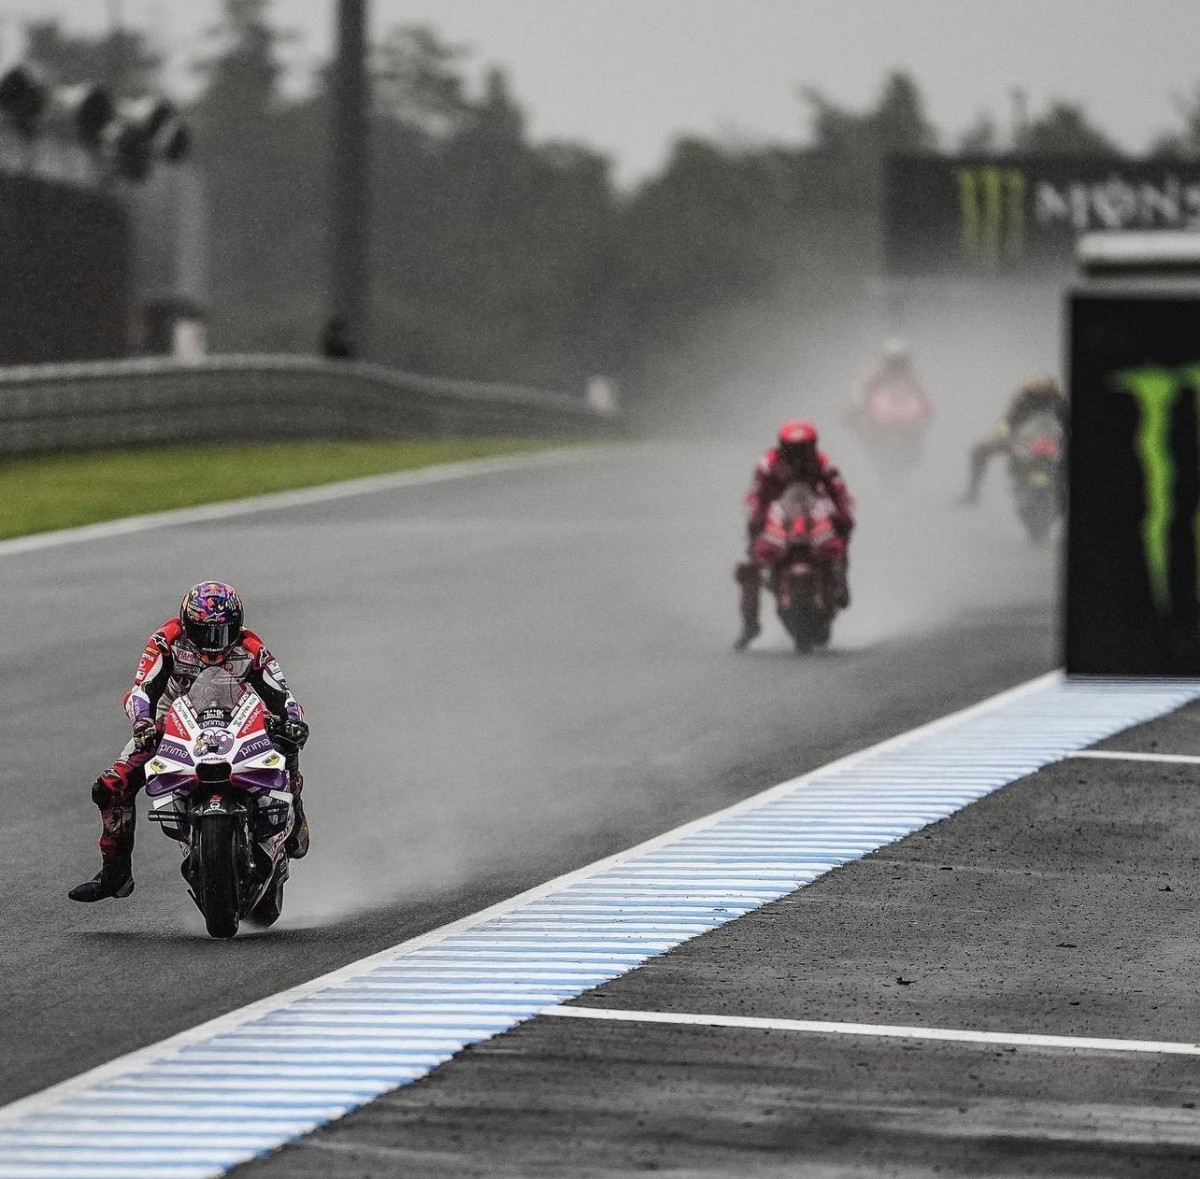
(628, 76)
(638, 430)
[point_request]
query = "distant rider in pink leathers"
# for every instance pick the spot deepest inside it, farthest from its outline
(891, 397)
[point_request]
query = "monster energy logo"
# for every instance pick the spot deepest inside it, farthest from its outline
(1156, 391)
(992, 200)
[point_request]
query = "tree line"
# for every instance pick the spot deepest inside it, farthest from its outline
(496, 258)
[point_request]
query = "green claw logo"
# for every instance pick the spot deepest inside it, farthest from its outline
(1156, 391)
(992, 202)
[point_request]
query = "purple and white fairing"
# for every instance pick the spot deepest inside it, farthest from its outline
(242, 744)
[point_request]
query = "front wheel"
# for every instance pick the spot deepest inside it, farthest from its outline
(1038, 513)
(801, 623)
(797, 613)
(219, 891)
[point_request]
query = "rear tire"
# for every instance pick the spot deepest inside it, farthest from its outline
(219, 891)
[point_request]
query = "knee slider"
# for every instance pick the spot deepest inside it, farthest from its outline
(107, 790)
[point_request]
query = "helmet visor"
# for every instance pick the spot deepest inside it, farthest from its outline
(800, 454)
(212, 636)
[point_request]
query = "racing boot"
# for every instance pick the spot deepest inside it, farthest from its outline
(111, 794)
(115, 879)
(296, 845)
(750, 580)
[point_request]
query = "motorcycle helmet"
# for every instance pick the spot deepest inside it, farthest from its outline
(896, 353)
(211, 614)
(1044, 386)
(798, 445)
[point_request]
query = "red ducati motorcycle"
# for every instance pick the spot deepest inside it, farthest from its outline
(804, 560)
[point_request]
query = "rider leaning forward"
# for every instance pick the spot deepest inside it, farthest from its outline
(795, 459)
(1038, 396)
(207, 633)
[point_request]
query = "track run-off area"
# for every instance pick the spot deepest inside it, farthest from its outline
(536, 766)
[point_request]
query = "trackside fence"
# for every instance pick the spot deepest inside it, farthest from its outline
(268, 398)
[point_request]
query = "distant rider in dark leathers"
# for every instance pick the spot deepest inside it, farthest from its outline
(1038, 396)
(795, 459)
(208, 632)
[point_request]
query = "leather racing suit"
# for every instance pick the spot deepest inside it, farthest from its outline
(772, 477)
(168, 667)
(891, 399)
(1027, 402)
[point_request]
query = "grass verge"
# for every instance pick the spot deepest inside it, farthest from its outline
(47, 492)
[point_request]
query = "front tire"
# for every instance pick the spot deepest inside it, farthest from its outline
(219, 891)
(1038, 516)
(798, 616)
(801, 625)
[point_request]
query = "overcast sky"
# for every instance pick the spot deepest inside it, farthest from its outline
(628, 76)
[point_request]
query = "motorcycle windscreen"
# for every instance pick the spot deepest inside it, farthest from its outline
(216, 689)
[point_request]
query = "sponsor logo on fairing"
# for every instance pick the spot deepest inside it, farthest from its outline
(254, 747)
(173, 750)
(213, 741)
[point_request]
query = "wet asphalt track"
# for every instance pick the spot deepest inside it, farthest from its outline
(507, 677)
(1065, 904)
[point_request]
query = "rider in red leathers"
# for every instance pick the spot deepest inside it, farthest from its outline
(795, 459)
(207, 632)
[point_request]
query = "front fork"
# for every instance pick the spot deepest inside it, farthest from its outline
(214, 803)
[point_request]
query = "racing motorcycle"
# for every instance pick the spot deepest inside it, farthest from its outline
(1035, 468)
(218, 785)
(892, 423)
(805, 557)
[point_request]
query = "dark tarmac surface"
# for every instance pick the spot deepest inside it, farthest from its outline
(507, 678)
(1067, 903)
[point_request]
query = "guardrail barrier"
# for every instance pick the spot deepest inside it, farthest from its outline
(265, 398)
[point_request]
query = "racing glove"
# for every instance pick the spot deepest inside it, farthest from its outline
(145, 735)
(287, 735)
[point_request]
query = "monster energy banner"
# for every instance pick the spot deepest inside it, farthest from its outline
(1133, 577)
(1020, 214)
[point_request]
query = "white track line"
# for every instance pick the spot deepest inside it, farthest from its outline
(821, 1027)
(276, 501)
(204, 1032)
(391, 1018)
(1181, 759)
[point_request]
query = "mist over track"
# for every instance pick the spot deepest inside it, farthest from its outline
(507, 677)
